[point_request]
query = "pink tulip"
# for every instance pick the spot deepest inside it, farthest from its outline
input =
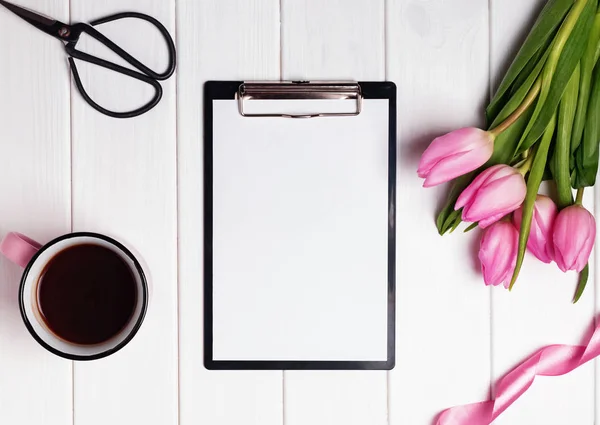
(498, 253)
(454, 154)
(574, 236)
(494, 193)
(542, 226)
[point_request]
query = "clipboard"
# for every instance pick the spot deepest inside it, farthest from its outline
(299, 225)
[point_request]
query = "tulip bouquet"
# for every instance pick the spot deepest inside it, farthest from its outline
(543, 125)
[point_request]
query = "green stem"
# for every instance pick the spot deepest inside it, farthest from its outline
(563, 35)
(533, 184)
(579, 198)
(526, 165)
(531, 96)
(562, 150)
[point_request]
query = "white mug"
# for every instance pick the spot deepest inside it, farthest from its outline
(34, 257)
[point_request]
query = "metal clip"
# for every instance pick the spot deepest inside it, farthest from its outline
(329, 90)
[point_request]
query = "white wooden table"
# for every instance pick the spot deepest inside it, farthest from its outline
(64, 167)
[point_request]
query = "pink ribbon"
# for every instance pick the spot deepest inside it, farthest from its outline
(553, 360)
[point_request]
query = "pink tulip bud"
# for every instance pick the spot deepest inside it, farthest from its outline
(498, 253)
(542, 226)
(574, 236)
(454, 154)
(494, 193)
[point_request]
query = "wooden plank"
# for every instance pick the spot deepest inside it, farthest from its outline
(36, 198)
(334, 40)
(437, 53)
(124, 185)
(538, 311)
(232, 39)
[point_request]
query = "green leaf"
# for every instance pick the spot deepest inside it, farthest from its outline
(559, 68)
(562, 152)
(533, 184)
(586, 156)
(506, 142)
(545, 26)
(536, 62)
(442, 217)
(583, 278)
(456, 223)
(451, 221)
(521, 93)
(447, 216)
(548, 171)
(471, 227)
(587, 67)
(574, 176)
(597, 53)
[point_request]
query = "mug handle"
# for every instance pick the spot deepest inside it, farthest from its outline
(19, 248)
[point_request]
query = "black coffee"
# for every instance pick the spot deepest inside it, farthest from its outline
(87, 294)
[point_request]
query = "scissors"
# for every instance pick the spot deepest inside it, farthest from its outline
(69, 35)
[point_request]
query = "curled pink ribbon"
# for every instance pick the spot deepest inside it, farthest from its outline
(553, 360)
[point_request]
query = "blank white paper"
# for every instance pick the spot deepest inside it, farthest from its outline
(300, 234)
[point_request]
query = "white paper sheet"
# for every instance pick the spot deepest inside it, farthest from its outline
(300, 234)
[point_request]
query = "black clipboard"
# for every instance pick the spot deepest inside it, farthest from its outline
(220, 97)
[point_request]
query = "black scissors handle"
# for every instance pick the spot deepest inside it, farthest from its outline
(146, 74)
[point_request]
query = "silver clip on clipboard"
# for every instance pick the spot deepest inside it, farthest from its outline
(249, 91)
(299, 226)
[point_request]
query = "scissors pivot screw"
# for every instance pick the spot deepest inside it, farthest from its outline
(64, 32)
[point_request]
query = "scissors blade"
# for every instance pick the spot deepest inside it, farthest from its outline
(41, 22)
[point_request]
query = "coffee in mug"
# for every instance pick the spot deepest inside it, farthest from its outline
(83, 296)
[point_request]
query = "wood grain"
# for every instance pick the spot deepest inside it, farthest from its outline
(124, 185)
(340, 41)
(538, 311)
(218, 39)
(437, 53)
(335, 39)
(36, 197)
